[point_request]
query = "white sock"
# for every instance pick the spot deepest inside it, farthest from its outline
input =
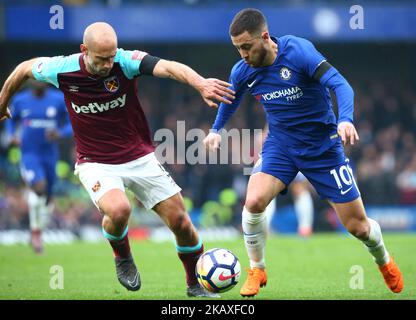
(255, 230)
(304, 210)
(38, 211)
(269, 212)
(375, 244)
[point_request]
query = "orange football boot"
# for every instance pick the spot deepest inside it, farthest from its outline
(305, 232)
(392, 276)
(256, 278)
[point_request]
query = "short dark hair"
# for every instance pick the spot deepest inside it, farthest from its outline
(251, 20)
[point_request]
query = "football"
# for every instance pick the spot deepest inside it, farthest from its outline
(218, 270)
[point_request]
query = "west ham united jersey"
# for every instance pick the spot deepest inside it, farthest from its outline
(108, 122)
(298, 108)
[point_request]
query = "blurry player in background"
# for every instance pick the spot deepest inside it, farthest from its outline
(292, 81)
(303, 202)
(113, 140)
(39, 120)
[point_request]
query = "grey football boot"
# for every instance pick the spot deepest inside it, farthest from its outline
(198, 291)
(127, 273)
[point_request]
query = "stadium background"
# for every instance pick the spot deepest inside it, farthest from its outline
(378, 61)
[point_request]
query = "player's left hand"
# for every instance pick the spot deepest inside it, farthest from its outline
(213, 90)
(348, 133)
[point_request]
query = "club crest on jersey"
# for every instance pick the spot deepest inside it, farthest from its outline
(111, 84)
(51, 112)
(285, 73)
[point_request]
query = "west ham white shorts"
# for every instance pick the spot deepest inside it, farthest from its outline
(145, 177)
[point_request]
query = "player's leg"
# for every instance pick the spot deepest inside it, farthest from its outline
(36, 199)
(353, 217)
(156, 190)
(303, 204)
(34, 176)
(116, 209)
(269, 212)
(106, 190)
(188, 243)
(333, 179)
(49, 165)
(271, 174)
(261, 189)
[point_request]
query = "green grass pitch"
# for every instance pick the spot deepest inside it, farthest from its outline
(318, 268)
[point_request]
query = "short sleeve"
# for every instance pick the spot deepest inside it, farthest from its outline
(46, 69)
(130, 61)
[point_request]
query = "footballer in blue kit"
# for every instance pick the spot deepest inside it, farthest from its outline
(40, 118)
(292, 80)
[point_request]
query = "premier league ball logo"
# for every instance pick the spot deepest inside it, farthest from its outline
(111, 84)
(285, 73)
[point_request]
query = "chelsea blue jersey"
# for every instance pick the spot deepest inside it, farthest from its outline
(34, 116)
(298, 107)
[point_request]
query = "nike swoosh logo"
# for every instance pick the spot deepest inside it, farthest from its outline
(251, 84)
(135, 281)
(223, 278)
(345, 191)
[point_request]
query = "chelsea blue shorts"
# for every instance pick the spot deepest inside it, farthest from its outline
(330, 173)
(37, 167)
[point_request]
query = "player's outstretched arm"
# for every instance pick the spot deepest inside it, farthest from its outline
(22, 72)
(212, 90)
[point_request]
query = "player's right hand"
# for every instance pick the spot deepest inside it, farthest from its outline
(213, 90)
(5, 114)
(212, 141)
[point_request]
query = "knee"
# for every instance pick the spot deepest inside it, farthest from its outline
(118, 212)
(255, 204)
(359, 228)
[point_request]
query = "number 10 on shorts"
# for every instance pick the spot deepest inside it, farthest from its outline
(345, 174)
